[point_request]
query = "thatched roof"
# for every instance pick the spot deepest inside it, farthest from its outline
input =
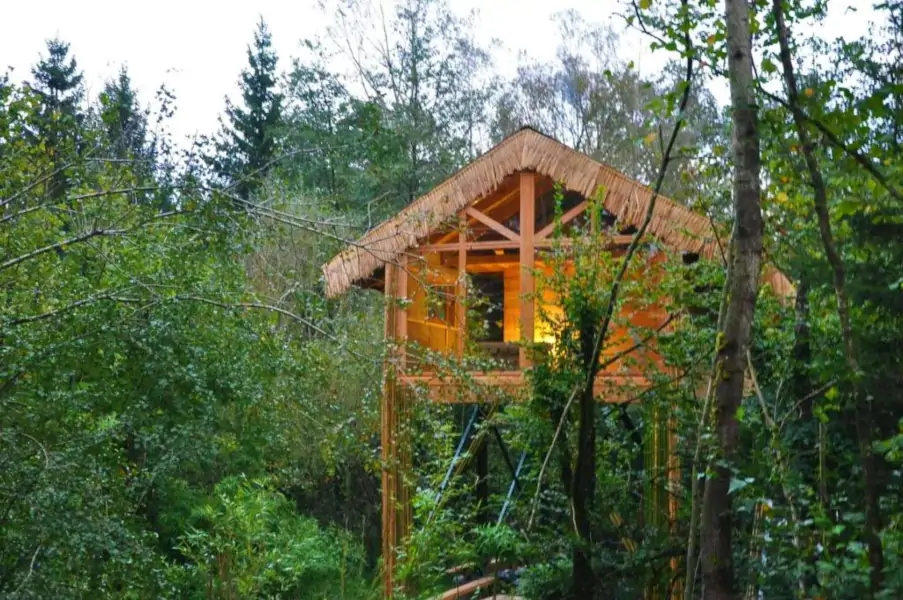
(673, 224)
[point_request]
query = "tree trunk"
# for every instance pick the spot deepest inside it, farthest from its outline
(802, 349)
(717, 517)
(864, 418)
(584, 482)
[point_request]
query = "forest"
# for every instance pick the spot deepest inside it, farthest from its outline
(185, 412)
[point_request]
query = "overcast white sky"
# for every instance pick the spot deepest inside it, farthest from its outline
(197, 47)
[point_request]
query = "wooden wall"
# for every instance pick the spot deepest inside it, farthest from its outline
(429, 333)
(512, 302)
(440, 337)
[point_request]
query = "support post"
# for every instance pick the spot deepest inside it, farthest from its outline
(401, 318)
(394, 420)
(527, 259)
(673, 491)
(461, 290)
(387, 441)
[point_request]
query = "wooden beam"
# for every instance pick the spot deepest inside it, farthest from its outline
(527, 259)
(491, 264)
(507, 196)
(401, 435)
(401, 315)
(504, 198)
(387, 441)
(496, 245)
(491, 224)
(565, 218)
(394, 443)
(504, 208)
(461, 294)
(673, 489)
(608, 389)
(616, 241)
(466, 589)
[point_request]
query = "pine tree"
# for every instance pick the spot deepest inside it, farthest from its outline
(248, 142)
(57, 78)
(58, 83)
(124, 122)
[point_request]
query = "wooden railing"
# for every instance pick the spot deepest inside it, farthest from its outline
(483, 387)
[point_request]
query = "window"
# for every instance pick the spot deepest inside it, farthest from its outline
(491, 289)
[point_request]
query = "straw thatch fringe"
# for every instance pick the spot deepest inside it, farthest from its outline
(527, 150)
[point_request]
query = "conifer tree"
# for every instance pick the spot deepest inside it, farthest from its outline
(57, 78)
(248, 142)
(124, 121)
(59, 85)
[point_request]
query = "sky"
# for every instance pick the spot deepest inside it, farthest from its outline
(197, 47)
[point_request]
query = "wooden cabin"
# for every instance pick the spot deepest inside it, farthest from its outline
(488, 227)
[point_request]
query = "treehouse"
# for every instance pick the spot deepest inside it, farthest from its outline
(489, 231)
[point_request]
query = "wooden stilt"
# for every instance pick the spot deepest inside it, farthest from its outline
(673, 493)
(395, 421)
(527, 258)
(387, 445)
(461, 291)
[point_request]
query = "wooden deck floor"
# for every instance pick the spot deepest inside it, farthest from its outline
(480, 387)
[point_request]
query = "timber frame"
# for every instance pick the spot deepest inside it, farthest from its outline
(490, 219)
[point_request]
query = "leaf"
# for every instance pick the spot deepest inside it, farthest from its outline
(645, 4)
(738, 484)
(847, 208)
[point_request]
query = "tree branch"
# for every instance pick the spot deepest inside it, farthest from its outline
(863, 413)
(832, 137)
(62, 244)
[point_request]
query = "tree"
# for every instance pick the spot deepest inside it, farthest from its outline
(59, 85)
(248, 144)
(426, 80)
(124, 121)
(58, 80)
(743, 285)
(139, 368)
(598, 103)
(341, 140)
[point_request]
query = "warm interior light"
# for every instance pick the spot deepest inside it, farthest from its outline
(547, 339)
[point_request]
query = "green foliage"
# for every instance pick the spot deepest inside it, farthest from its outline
(185, 415)
(248, 143)
(124, 120)
(142, 363)
(248, 542)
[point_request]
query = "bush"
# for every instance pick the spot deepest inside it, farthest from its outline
(249, 543)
